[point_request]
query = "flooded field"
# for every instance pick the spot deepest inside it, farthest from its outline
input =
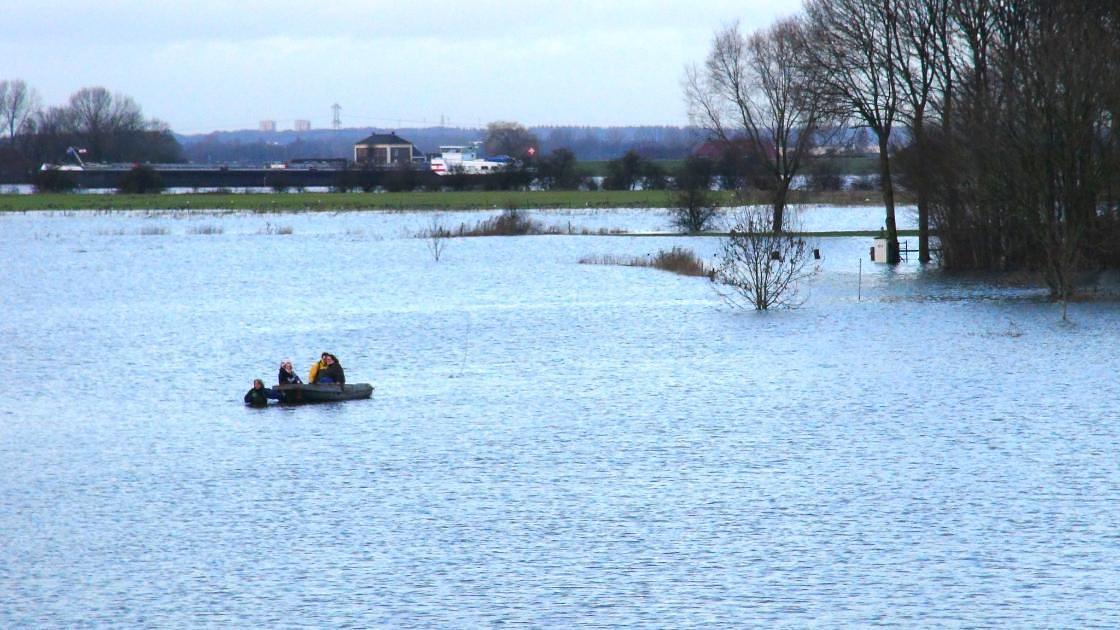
(549, 444)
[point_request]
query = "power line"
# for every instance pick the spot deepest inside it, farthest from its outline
(388, 119)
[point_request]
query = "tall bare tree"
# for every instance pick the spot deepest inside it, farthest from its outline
(757, 89)
(1062, 76)
(1028, 158)
(965, 160)
(922, 27)
(854, 43)
(17, 104)
(100, 116)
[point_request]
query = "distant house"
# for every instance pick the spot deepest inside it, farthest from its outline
(385, 149)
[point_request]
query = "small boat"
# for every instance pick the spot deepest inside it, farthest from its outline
(323, 392)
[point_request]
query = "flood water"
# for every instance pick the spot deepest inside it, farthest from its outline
(550, 444)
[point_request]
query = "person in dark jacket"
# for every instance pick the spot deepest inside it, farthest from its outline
(332, 373)
(287, 375)
(259, 395)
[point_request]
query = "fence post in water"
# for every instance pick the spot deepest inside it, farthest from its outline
(859, 287)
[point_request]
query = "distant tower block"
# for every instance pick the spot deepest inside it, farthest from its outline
(268, 125)
(336, 120)
(303, 125)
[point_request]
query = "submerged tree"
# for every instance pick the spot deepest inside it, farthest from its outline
(921, 72)
(853, 44)
(760, 268)
(1023, 170)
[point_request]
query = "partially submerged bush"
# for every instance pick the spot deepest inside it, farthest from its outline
(760, 268)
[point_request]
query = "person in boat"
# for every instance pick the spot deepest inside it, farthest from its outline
(287, 375)
(313, 375)
(332, 373)
(259, 395)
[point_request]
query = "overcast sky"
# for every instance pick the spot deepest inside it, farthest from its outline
(204, 65)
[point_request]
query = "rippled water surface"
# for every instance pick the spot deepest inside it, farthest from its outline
(550, 443)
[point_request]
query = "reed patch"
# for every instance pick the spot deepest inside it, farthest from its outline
(510, 222)
(678, 260)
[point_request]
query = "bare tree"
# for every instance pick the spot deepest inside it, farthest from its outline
(99, 116)
(17, 104)
(854, 43)
(49, 134)
(757, 89)
(436, 237)
(1058, 110)
(968, 154)
(1025, 167)
(760, 268)
(922, 27)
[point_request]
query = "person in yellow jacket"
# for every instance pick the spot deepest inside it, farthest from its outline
(321, 364)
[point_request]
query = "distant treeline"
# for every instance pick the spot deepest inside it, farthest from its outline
(556, 171)
(587, 143)
(104, 127)
(94, 125)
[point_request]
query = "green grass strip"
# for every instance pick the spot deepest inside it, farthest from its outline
(405, 201)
